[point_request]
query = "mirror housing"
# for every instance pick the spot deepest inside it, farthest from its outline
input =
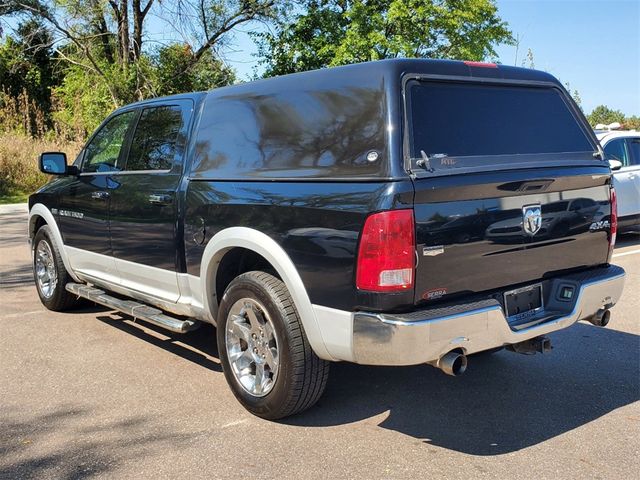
(55, 163)
(615, 164)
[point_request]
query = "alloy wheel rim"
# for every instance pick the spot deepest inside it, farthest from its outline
(252, 347)
(46, 273)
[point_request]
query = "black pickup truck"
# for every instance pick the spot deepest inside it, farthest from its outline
(389, 213)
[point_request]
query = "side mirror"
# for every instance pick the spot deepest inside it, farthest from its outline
(53, 163)
(615, 164)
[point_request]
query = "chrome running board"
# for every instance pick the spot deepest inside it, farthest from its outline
(135, 309)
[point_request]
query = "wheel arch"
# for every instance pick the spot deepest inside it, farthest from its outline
(40, 215)
(267, 248)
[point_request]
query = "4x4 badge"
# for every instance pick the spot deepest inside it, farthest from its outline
(531, 219)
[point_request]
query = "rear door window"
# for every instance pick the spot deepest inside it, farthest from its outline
(633, 147)
(157, 140)
(449, 121)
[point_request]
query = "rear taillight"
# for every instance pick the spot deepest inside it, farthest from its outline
(614, 221)
(387, 252)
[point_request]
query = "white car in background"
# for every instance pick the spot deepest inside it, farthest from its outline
(622, 149)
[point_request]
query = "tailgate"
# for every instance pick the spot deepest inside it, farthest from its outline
(509, 186)
(474, 233)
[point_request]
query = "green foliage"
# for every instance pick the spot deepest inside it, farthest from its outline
(82, 102)
(27, 75)
(174, 71)
(632, 123)
(100, 60)
(605, 115)
(338, 32)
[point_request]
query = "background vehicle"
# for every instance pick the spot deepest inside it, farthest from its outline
(321, 217)
(625, 148)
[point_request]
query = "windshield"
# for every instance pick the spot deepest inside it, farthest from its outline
(448, 119)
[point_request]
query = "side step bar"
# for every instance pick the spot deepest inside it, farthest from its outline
(130, 307)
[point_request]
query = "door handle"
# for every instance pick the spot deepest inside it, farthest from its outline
(160, 199)
(100, 195)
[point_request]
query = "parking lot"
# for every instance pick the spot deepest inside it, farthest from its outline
(90, 393)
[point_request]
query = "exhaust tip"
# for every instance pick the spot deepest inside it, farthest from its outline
(453, 363)
(601, 317)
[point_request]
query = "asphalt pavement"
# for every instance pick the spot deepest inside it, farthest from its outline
(92, 394)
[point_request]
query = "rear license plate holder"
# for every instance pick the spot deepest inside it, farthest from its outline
(523, 303)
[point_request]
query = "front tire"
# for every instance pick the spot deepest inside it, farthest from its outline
(50, 274)
(265, 354)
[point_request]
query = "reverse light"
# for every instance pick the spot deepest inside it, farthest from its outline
(386, 254)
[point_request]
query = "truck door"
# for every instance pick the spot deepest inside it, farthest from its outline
(144, 207)
(83, 213)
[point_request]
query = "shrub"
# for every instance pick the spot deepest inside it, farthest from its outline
(19, 153)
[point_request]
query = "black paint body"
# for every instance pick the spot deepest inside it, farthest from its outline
(289, 157)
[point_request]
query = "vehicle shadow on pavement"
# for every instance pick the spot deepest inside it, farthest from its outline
(504, 403)
(30, 444)
(198, 346)
(17, 277)
(631, 239)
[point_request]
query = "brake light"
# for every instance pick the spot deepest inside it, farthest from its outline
(470, 63)
(614, 221)
(387, 251)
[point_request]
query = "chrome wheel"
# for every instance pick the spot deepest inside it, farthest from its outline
(252, 347)
(46, 274)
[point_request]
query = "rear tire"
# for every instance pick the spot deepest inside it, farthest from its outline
(265, 354)
(50, 274)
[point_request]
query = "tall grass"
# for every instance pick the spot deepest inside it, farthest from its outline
(19, 174)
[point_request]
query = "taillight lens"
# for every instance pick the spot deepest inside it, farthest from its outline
(614, 221)
(387, 251)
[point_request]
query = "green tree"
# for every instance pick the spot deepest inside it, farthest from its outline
(605, 115)
(632, 123)
(173, 72)
(27, 74)
(338, 32)
(81, 102)
(106, 38)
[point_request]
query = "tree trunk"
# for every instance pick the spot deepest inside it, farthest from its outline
(139, 14)
(103, 31)
(123, 32)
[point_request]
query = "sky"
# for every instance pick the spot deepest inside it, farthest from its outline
(593, 45)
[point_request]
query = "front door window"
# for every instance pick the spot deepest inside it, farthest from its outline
(103, 154)
(616, 150)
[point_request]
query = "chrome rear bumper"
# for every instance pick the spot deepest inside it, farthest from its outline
(425, 336)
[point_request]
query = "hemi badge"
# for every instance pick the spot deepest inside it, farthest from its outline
(432, 251)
